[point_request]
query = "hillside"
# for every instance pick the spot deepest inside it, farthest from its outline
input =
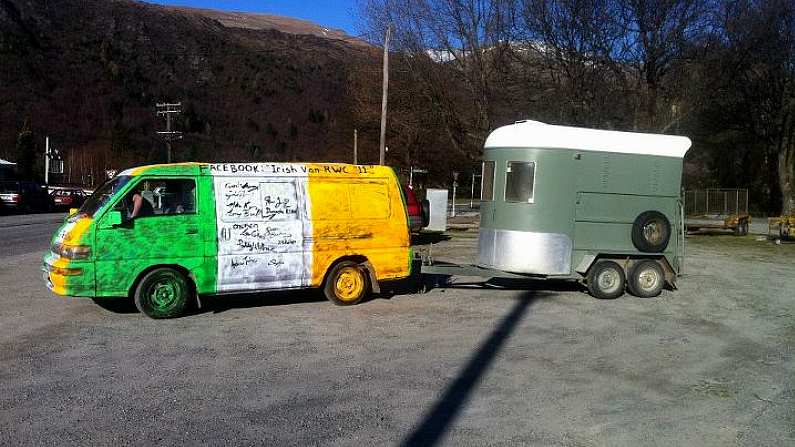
(89, 72)
(231, 19)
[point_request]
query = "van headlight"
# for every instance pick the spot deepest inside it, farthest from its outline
(72, 251)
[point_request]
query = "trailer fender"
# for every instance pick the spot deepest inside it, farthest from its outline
(585, 264)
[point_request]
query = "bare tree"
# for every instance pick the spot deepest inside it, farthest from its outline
(468, 35)
(572, 43)
(754, 92)
(656, 35)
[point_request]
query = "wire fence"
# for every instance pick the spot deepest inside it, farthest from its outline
(705, 202)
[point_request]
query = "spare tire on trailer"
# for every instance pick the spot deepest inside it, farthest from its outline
(651, 232)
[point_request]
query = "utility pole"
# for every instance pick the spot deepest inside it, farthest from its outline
(472, 193)
(455, 185)
(384, 95)
(167, 109)
(47, 161)
(355, 146)
(53, 161)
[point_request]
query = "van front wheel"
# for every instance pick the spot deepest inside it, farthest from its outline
(347, 284)
(162, 293)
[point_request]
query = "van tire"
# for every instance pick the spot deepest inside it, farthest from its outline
(346, 284)
(606, 280)
(162, 293)
(651, 232)
(646, 279)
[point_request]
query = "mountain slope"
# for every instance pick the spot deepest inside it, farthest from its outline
(89, 72)
(231, 19)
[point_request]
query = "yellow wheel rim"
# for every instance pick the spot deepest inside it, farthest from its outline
(349, 285)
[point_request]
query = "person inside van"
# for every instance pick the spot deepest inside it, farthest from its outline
(140, 206)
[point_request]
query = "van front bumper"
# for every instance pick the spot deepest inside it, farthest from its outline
(67, 277)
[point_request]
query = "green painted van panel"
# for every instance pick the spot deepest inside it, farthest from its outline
(122, 254)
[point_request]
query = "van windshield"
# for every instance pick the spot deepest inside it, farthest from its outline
(103, 194)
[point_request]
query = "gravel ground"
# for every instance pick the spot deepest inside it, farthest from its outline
(539, 364)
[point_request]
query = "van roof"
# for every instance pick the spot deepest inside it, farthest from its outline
(535, 134)
(261, 169)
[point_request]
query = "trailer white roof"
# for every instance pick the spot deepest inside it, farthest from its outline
(535, 134)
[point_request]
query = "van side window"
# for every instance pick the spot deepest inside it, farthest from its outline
(163, 197)
(370, 200)
(487, 182)
(519, 181)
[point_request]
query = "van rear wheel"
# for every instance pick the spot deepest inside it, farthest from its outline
(606, 280)
(162, 293)
(347, 284)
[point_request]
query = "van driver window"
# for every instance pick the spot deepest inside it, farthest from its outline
(519, 180)
(155, 197)
(487, 182)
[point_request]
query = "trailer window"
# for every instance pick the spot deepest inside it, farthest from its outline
(519, 181)
(487, 182)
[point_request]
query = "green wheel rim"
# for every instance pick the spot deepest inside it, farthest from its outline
(165, 291)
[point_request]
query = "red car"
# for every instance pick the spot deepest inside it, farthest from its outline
(68, 198)
(419, 212)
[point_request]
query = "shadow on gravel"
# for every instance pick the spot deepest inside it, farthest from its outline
(419, 283)
(440, 417)
(117, 305)
(429, 238)
(222, 303)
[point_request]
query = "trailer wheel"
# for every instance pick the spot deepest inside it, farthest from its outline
(347, 284)
(651, 232)
(646, 279)
(162, 293)
(606, 280)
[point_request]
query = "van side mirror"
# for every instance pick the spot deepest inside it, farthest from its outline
(112, 219)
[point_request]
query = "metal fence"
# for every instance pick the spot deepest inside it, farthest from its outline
(724, 202)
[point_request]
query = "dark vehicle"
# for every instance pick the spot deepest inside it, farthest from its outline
(68, 198)
(21, 196)
(418, 212)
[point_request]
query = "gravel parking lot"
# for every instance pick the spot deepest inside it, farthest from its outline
(539, 363)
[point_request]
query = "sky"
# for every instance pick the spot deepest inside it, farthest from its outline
(329, 13)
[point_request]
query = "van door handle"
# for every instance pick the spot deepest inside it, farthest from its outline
(192, 231)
